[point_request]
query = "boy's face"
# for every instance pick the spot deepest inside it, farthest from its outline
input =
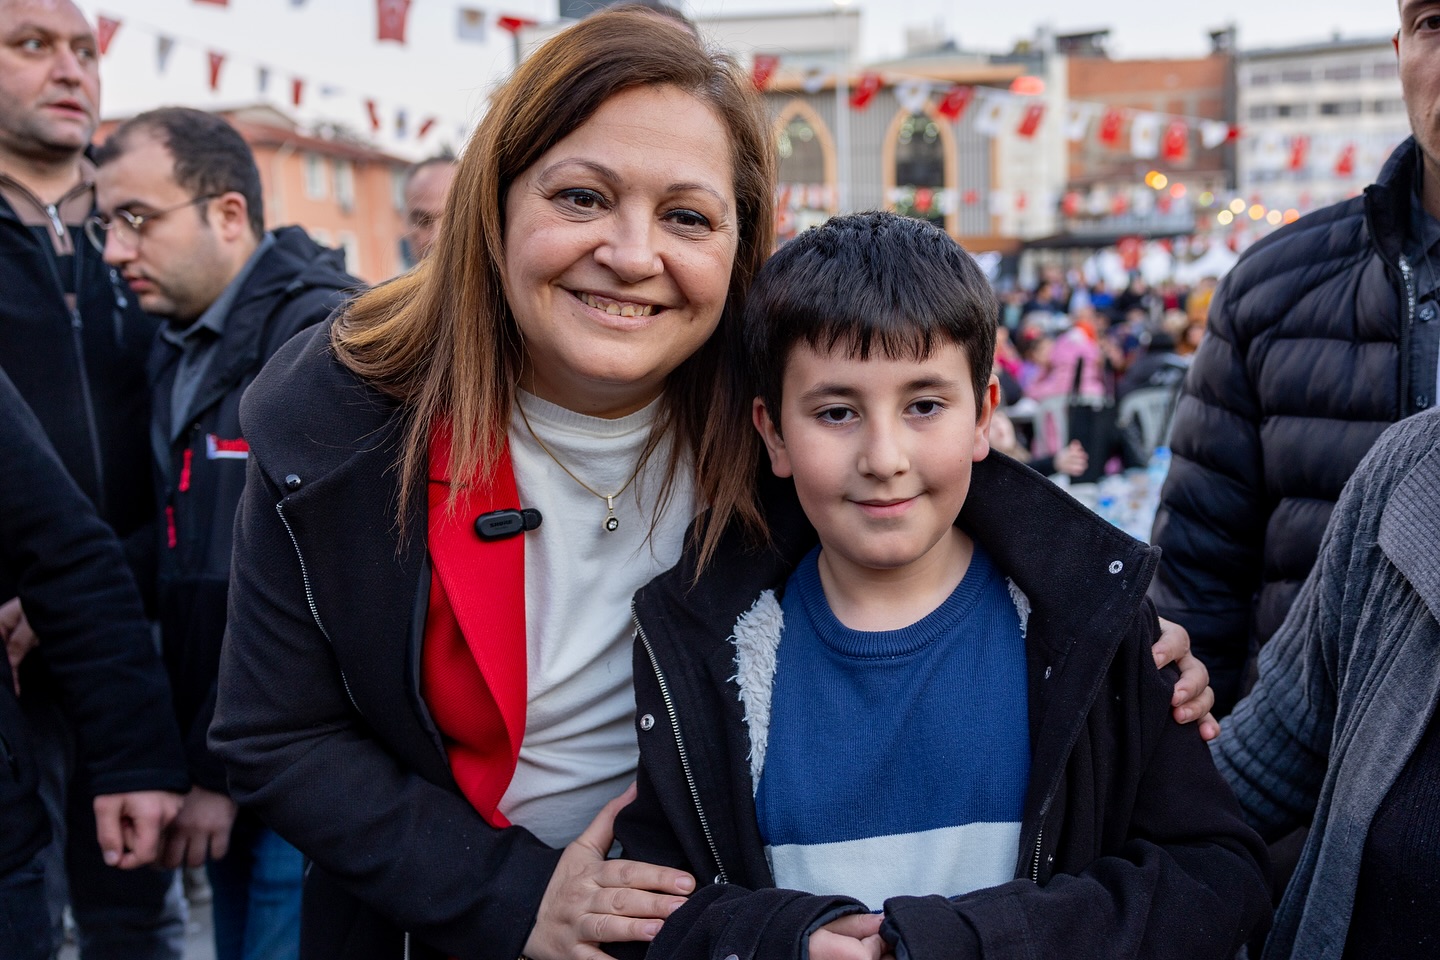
(880, 450)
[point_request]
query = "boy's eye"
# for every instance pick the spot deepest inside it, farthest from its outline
(926, 408)
(836, 415)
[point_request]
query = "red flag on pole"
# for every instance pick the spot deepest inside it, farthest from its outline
(217, 60)
(390, 19)
(865, 90)
(297, 90)
(512, 25)
(1175, 145)
(1299, 152)
(105, 32)
(373, 109)
(762, 68)
(952, 105)
(1110, 125)
(1345, 165)
(1030, 122)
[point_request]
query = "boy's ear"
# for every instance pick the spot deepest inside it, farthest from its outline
(989, 402)
(774, 443)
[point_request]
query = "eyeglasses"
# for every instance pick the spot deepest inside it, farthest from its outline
(128, 226)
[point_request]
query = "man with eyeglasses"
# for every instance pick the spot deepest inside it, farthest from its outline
(179, 214)
(74, 342)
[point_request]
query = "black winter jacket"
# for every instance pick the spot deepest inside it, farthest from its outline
(82, 373)
(295, 284)
(320, 720)
(1305, 363)
(79, 596)
(1131, 844)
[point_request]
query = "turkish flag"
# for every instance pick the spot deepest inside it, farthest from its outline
(513, 24)
(1345, 165)
(953, 105)
(1070, 204)
(373, 109)
(865, 90)
(971, 197)
(297, 91)
(1299, 152)
(1030, 122)
(1175, 145)
(217, 60)
(1110, 125)
(390, 19)
(105, 32)
(762, 68)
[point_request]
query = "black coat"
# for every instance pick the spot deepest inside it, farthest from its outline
(322, 729)
(296, 283)
(1305, 363)
(80, 598)
(1131, 844)
(83, 374)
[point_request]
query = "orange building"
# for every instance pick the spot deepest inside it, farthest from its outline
(344, 192)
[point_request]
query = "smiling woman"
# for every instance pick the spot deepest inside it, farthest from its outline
(433, 717)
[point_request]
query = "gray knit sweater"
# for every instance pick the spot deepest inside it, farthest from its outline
(1347, 686)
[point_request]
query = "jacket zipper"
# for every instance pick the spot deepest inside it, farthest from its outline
(310, 599)
(1407, 277)
(680, 746)
(1035, 868)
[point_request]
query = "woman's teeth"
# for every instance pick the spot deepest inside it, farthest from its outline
(617, 309)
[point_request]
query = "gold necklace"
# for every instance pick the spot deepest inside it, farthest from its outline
(612, 522)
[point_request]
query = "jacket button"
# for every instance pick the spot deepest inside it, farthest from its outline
(647, 722)
(1047, 673)
(1427, 313)
(292, 482)
(1422, 401)
(1116, 566)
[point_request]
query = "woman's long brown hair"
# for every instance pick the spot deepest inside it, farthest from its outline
(442, 339)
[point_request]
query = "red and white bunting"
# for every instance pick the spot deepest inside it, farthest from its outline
(297, 90)
(1030, 120)
(164, 46)
(1299, 152)
(470, 25)
(1175, 145)
(390, 16)
(952, 106)
(426, 126)
(815, 78)
(1077, 120)
(991, 112)
(105, 32)
(217, 60)
(912, 95)
(1111, 123)
(1213, 133)
(865, 90)
(372, 110)
(1345, 163)
(762, 68)
(1145, 135)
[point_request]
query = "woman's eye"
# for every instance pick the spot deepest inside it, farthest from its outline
(584, 199)
(689, 218)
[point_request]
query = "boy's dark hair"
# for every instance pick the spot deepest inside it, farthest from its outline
(210, 155)
(869, 281)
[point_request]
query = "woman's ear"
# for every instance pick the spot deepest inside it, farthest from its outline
(770, 433)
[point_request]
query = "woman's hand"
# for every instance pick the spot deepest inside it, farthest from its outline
(1072, 460)
(855, 936)
(591, 900)
(1193, 697)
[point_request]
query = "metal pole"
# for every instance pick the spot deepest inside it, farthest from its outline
(842, 110)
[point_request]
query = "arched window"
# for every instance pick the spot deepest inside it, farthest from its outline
(919, 165)
(805, 195)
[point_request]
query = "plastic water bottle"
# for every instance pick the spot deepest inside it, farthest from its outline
(1157, 468)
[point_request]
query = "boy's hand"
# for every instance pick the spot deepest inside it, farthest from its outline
(1193, 697)
(852, 937)
(591, 900)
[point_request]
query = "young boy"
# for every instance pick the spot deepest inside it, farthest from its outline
(961, 708)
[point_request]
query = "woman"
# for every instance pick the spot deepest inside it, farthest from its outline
(395, 697)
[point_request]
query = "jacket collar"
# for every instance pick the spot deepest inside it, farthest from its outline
(1387, 202)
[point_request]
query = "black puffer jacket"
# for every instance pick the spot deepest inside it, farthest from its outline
(295, 284)
(1305, 364)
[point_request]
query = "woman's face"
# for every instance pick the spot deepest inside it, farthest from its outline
(619, 242)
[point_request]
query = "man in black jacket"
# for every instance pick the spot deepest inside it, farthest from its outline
(181, 217)
(1322, 335)
(80, 597)
(74, 343)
